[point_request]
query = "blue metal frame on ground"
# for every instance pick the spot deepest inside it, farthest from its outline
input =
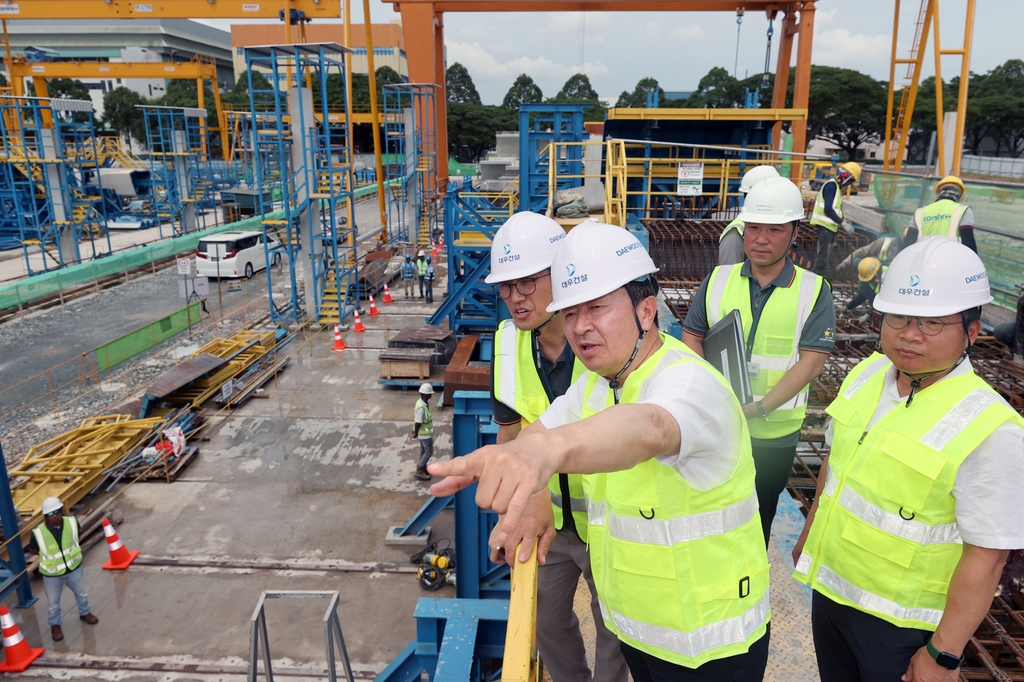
(13, 573)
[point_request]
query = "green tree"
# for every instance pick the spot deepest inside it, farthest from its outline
(922, 123)
(387, 76)
(3, 81)
(996, 104)
(638, 98)
(459, 85)
(578, 90)
(184, 93)
(523, 90)
(67, 88)
(716, 90)
(238, 96)
(845, 107)
(122, 115)
(472, 128)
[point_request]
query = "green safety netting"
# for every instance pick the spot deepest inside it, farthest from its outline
(144, 338)
(996, 207)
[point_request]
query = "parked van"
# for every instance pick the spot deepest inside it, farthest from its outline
(243, 254)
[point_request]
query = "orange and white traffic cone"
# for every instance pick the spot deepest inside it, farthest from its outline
(440, 243)
(359, 323)
(120, 557)
(433, 252)
(387, 294)
(339, 343)
(19, 654)
(373, 307)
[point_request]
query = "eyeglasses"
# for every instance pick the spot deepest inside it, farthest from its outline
(929, 326)
(52, 514)
(525, 286)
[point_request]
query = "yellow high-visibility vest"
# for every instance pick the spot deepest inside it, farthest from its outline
(57, 560)
(940, 219)
(818, 215)
(737, 225)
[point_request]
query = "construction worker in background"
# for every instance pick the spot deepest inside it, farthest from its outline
(870, 273)
(421, 270)
(423, 430)
(428, 280)
(730, 243)
(673, 529)
(884, 249)
(789, 320)
(533, 365)
(945, 217)
(409, 276)
(827, 215)
(918, 502)
(56, 541)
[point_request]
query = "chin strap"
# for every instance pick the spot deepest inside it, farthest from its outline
(915, 383)
(614, 383)
(537, 330)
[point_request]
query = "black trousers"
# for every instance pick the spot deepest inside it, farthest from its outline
(748, 667)
(826, 238)
(853, 646)
(772, 463)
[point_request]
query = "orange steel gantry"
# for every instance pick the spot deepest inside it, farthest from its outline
(423, 24)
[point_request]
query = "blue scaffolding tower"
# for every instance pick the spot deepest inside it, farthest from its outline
(303, 158)
(50, 191)
(539, 126)
(410, 142)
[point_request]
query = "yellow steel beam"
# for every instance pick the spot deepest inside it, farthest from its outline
(520, 663)
(163, 9)
(113, 70)
(662, 114)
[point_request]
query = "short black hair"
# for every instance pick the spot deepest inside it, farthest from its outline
(970, 315)
(639, 290)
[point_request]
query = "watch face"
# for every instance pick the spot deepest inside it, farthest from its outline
(947, 661)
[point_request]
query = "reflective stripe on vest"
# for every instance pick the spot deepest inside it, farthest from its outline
(681, 573)
(518, 386)
(940, 219)
(57, 560)
(427, 427)
(775, 349)
(421, 267)
(818, 215)
(885, 538)
(883, 253)
(737, 225)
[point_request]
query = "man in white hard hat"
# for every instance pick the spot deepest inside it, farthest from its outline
(423, 430)
(730, 243)
(56, 541)
(532, 366)
(421, 270)
(918, 502)
(789, 322)
(674, 535)
(827, 215)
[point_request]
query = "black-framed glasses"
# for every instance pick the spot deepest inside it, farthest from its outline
(525, 286)
(929, 326)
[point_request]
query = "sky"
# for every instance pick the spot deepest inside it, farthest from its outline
(678, 48)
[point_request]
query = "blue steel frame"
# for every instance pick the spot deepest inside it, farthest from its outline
(13, 573)
(539, 126)
(412, 171)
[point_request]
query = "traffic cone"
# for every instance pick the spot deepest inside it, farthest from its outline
(373, 307)
(359, 323)
(19, 654)
(120, 557)
(440, 243)
(339, 344)
(387, 294)
(433, 252)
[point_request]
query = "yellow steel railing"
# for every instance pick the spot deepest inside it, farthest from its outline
(521, 662)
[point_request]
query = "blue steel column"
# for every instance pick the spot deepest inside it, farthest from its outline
(15, 563)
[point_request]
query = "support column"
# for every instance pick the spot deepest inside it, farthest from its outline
(442, 103)
(424, 46)
(307, 227)
(782, 70)
(189, 216)
(61, 216)
(802, 82)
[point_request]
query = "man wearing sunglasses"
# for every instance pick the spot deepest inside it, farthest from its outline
(56, 542)
(533, 364)
(917, 504)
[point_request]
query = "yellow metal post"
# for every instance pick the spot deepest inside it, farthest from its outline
(520, 662)
(374, 114)
(939, 109)
(886, 163)
(965, 80)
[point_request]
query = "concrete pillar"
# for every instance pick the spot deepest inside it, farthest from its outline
(950, 143)
(188, 209)
(67, 238)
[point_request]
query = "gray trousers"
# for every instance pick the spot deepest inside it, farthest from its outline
(558, 628)
(426, 450)
(823, 249)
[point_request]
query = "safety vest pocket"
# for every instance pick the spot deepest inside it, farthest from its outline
(535, 405)
(903, 471)
(842, 410)
(779, 346)
(645, 576)
(873, 559)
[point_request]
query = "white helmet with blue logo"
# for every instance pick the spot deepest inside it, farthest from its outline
(934, 277)
(523, 246)
(595, 260)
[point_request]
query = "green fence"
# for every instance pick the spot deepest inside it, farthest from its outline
(144, 338)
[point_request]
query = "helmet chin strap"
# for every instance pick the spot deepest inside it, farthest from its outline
(614, 383)
(553, 316)
(915, 381)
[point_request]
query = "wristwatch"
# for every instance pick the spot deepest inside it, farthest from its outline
(947, 661)
(760, 409)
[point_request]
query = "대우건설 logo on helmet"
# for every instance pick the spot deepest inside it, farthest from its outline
(508, 247)
(912, 290)
(570, 270)
(508, 257)
(915, 280)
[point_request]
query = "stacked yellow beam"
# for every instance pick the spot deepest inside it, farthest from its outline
(244, 348)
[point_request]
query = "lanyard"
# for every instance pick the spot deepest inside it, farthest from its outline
(757, 317)
(538, 362)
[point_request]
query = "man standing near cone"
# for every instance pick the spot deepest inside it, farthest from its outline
(56, 542)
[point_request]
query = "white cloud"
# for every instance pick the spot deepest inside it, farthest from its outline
(839, 47)
(691, 32)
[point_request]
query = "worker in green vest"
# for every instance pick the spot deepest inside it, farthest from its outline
(423, 430)
(675, 539)
(827, 215)
(56, 541)
(884, 249)
(730, 243)
(789, 320)
(870, 273)
(918, 501)
(531, 367)
(421, 270)
(945, 217)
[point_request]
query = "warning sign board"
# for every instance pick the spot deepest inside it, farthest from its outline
(690, 179)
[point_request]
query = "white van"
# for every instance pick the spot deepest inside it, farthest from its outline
(243, 254)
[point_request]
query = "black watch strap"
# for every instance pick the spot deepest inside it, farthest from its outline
(947, 661)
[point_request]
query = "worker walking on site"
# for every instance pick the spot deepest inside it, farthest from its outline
(870, 273)
(789, 320)
(827, 215)
(57, 543)
(409, 276)
(884, 249)
(918, 502)
(945, 217)
(423, 430)
(421, 270)
(533, 365)
(673, 529)
(428, 280)
(730, 243)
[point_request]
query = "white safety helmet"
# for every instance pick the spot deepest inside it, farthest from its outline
(421, 254)
(773, 201)
(523, 246)
(934, 277)
(595, 260)
(52, 504)
(756, 175)
(426, 389)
